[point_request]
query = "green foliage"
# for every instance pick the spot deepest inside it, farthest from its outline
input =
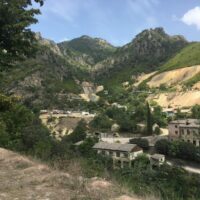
(94, 47)
(149, 121)
(78, 134)
(157, 131)
(143, 86)
(141, 162)
(178, 149)
(123, 118)
(141, 179)
(180, 115)
(143, 143)
(6, 103)
(158, 116)
(17, 40)
(187, 57)
(86, 147)
(196, 111)
(162, 146)
(192, 81)
(4, 136)
(22, 131)
(101, 122)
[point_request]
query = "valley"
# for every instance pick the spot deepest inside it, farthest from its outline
(75, 95)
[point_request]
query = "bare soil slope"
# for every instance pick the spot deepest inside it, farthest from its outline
(25, 179)
(177, 99)
(174, 77)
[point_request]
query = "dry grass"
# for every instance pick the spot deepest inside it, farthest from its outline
(25, 179)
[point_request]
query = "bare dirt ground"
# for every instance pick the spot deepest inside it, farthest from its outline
(174, 77)
(24, 179)
(63, 123)
(177, 99)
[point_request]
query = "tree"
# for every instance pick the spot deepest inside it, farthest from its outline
(17, 41)
(143, 143)
(158, 116)
(4, 136)
(101, 121)
(196, 112)
(162, 146)
(149, 120)
(78, 134)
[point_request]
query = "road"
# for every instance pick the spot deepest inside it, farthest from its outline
(189, 168)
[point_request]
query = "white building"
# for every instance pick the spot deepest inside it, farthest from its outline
(121, 154)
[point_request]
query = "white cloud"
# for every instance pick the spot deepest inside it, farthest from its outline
(192, 17)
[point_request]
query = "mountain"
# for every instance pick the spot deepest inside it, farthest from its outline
(146, 52)
(95, 49)
(54, 77)
(41, 81)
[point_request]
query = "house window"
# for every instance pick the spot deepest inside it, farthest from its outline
(118, 154)
(126, 155)
(182, 131)
(188, 131)
(194, 142)
(176, 126)
(176, 132)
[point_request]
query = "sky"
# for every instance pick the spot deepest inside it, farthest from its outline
(117, 21)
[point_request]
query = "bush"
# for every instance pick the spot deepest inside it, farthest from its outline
(78, 134)
(101, 122)
(178, 149)
(162, 146)
(21, 130)
(143, 143)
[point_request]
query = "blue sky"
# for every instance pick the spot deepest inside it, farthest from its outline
(117, 21)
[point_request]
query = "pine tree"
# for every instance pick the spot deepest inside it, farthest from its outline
(17, 41)
(149, 120)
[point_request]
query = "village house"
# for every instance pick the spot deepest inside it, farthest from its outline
(122, 154)
(157, 160)
(187, 130)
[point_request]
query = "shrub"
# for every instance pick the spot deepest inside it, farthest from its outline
(162, 146)
(143, 143)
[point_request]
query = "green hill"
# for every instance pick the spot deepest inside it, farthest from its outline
(187, 57)
(97, 49)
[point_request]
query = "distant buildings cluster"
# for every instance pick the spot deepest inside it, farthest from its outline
(67, 113)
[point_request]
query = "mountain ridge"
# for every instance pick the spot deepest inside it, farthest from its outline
(58, 70)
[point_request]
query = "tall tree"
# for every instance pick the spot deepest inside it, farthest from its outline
(17, 41)
(149, 120)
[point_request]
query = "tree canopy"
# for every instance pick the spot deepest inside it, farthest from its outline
(17, 41)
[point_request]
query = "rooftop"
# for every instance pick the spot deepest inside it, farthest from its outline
(189, 126)
(116, 147)
(186, 121)
(157, 156)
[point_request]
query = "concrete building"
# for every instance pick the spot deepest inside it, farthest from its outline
(187, 130)
(122, 154)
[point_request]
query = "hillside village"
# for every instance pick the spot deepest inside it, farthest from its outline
(84, 119)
